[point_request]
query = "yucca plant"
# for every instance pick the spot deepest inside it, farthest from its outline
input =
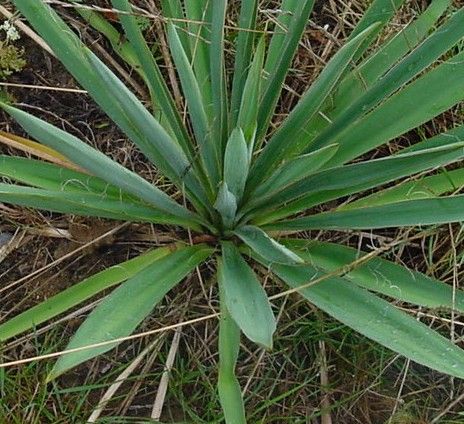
(250, 186)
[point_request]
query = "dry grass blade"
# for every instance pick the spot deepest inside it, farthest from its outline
(37, 149)
(108, 342)
(108, 395)
(163, 386)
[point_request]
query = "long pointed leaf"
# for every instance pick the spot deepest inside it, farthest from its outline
(266, 246)
(159, 91)
(300, 11)
(89, 204)
(376, 319)
(286, 141)
(381, 276)
(423, 188)
(431, 49)
(218, 78)
(78, 293)
(248, 113)
(228, 386)
(243, 54)
(295, 170)
(441, 210)
(197, 112)
(96, 162)
(53, 177)
(337, 182)
(123, 310)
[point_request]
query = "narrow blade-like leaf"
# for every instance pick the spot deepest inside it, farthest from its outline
(287, 139)
(334, 183)
(96, 162)
(380, 275)
(248, 113)
(376, 319)
(243, 54)
(194, 101)
(441, 210)
(123, 310)
(161, 97)
(228, 386)
(266, 246)
(89, 204)
(295, 170)
(300, 11)
(78, 293)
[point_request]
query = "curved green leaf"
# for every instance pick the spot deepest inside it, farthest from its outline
(334, 183)
(441, 210)
(266, 246)
(96, 162)
(124, 309)
(287, 139)
(78, 293)
(243, 55)
(244, 297)
(284, 51)
(89, 204)
(194, 101)
(376, 319)
(380, 275)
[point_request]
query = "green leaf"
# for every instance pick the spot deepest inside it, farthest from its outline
(454, 135)
(173, 10)
(78, 293)
(96, 162)
(75, 57)
(161, 97)
(226, 205)
(198, 14)
(218, 78)
(284, 52)
(151, 138)
(366, 74)
(287, 139)
(441, 210)
(248, 113)
(422, 188)
(337, 182)
(119, 314)
(54, 177)
(194, 101)
(236, 163)
(380, 275)
(266, 246)
(419, 59)
(228, 386)
(89, 204)
(294, 170)
(376, 319)
(244, 297)
(122, 48)
(243, 54)
(380, 11)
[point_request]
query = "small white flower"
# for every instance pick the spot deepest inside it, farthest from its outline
(11, 31)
